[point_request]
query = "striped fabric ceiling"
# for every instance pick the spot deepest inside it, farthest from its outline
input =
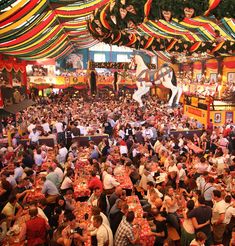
(34, 29)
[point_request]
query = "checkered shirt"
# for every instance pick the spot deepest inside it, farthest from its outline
(124, 234)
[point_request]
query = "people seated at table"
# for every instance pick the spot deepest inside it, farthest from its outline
(49, 190)
(199, 240)
(95, 182)
(35, 229)
(115, 195)
(70, 202)
(109, 181)
(5, 192)
(123, 173)
(72, 233)
(95, 196)
(67, 183)
(12, 210)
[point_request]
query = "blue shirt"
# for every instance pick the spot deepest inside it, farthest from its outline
(18, 172)
(49, 188)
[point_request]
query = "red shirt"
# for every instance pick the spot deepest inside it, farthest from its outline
(227, 132)
(36, 231)
(94, 183)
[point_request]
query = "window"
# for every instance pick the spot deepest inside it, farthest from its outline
(122, 58)
(99, 57)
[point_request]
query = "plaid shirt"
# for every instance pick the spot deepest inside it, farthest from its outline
(124, 234)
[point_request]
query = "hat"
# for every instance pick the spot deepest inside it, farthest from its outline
(160, 179)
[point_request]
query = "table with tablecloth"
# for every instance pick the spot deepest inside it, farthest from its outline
(146, 236)
(134, 205)
(83, 210)
(124, 180)
(13, 235)
(81, 187)
(194, 148)
(34, 195)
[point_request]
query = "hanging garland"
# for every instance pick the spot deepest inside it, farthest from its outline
(123, 22)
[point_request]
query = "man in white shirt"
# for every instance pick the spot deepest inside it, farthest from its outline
(172, 167)
(31, 127)
(46, 127)
(145, 178)
(229, 210)
(60, 131)
(38, 159)
(61, 157)
(181, 175)
(103, 232)
(109, 181)
(18, 172)
(34, 137)
(218, 216)
(59, 172)
(147, 133)
(59, 126)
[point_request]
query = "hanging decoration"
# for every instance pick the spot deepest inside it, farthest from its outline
(166, 25)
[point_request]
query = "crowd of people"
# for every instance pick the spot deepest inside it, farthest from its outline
(183, 186)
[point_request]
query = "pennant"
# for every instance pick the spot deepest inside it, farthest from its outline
(117, 38)
(132, 39)
(149, 42)
(171, 45)
(103, 18)
(147, 8)
(195, 46)
(218, 47)
(212, 5)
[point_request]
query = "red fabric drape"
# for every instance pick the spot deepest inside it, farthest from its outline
(197, 66)
(9, 66)
(212, 65)
(229, 64)
(79, 87)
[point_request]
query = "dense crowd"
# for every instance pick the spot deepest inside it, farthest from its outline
(140, 185)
